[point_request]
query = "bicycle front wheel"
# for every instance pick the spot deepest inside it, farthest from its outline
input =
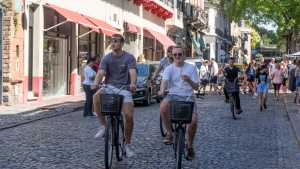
(120, 139)
(108, 152)
(180, 147)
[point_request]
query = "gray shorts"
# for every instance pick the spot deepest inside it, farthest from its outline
(109, 89)
(172, 97)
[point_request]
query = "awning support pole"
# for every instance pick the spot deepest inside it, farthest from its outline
(52, 27)
(80, 36)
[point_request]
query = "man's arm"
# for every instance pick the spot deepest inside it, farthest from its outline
(157, 71)
(194, 85)
(99, 77)
(133, 76)
(163, 87)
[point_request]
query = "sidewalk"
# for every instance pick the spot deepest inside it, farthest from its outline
(12, 115)
(294, 115)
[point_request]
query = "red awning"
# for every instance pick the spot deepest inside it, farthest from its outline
(103, 26)
(87, 21)
(73, 16)
(163, 39)
(132, 28)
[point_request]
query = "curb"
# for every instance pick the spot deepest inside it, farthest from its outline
(294, 119)
(52, 112)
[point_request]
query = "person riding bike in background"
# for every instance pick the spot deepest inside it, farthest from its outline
(181, 79)
(119, 70)
(231, 74)
(164, 62)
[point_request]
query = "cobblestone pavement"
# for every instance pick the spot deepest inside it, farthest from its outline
(259, 140)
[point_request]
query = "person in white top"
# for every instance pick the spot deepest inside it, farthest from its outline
(182, 79)
(89, 77)
(204, 76)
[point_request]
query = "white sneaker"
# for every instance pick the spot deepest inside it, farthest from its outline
(129, 152)
(100, 133)
(255, 94)
(95, 114)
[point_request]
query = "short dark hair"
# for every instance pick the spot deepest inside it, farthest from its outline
(91, 59)
(121, 37)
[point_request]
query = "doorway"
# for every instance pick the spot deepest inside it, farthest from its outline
(55, 66)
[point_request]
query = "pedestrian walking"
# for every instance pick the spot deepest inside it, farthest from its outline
(89, 77)
(262, 86)
(250, 73)
(277, 79)
(204, 77)
(214, 69)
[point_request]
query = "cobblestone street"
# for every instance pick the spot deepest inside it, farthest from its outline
(258, 140)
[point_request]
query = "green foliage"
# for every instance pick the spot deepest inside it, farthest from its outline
(258, 57)
(284, 13)
(255, 39)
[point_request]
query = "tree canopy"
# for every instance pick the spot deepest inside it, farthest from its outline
(284, 13)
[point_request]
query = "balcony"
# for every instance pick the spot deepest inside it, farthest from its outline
(176, 20)
(196, 17)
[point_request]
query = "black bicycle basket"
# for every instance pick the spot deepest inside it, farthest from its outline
(111, 104)
(181, 111)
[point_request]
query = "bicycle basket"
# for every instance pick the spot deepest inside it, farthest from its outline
(111, 104)
(231, 87)
(181, 111)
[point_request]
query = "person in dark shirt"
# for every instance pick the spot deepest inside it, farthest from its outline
(262, 86)
(231, 74)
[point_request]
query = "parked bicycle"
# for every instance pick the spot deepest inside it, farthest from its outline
(111, 106)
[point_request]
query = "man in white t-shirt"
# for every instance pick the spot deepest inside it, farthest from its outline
(181, 79)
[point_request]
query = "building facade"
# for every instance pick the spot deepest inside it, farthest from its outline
(11, 55)
(51, 40)
(241, 49)
(217, 36)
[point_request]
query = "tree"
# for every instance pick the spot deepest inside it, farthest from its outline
(255, 38)
(284, 13)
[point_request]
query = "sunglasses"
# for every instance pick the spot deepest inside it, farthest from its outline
(115, 40)
(177, 54)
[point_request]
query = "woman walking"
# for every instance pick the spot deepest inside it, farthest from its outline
(89, 76)
(277, 79)
(262, 86)
(250, 73)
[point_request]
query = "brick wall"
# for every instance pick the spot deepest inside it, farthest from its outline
(13, 69)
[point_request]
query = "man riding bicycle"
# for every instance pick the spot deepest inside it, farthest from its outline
(164, 62)
(119, 70)
(181, 79)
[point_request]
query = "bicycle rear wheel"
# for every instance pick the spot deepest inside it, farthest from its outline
(120, 139)
(108, 152)
(179, 147)
(232, 107)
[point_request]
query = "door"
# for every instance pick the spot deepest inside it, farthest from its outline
(55, 67)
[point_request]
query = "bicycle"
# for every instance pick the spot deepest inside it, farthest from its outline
(232, 87)
(181, 115)
(111, 106)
